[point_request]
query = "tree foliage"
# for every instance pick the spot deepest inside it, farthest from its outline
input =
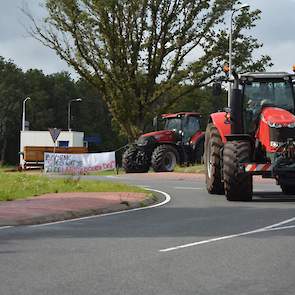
(11, 81)
(134, 52)
(47, 108)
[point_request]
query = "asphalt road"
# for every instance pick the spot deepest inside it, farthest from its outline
(196, 244)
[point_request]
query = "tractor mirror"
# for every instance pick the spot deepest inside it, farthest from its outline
(216, 90)
(155, 123)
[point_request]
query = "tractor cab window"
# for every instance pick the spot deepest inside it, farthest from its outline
(173, 124)
(190, 128)
(260, 94)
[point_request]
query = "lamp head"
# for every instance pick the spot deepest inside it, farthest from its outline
(244, 6)
(241, 7)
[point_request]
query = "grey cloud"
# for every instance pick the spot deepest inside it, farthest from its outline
(277, 23)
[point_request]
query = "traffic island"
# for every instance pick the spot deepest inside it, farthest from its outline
(63, 206)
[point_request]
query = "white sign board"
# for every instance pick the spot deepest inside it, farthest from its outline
(78, 163)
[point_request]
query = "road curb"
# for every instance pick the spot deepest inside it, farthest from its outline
(151, 199)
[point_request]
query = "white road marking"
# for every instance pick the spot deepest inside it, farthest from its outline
(281, 228)
(167, 200)
(5, 227)
(267, 191)
(187, 187)
(272, 227)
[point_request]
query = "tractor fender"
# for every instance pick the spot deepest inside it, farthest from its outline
(218, 120)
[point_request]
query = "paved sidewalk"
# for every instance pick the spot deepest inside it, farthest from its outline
(61, 206)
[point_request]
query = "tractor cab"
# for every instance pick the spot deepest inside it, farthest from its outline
(185, 125)
(261, 90)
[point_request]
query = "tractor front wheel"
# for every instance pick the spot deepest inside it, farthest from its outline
(164, 158)
(213, 145)
(238, 185)
(135, 161)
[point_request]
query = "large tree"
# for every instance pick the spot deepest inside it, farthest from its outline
(134, 52)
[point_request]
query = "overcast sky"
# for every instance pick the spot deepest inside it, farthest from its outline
(276, 31)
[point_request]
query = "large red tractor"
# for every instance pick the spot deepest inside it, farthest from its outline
(255, 136)
(179, 140)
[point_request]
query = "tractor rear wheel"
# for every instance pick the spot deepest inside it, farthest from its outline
(135, 161)
(288, 189)
(164, 158)
(238, 185)
(213, 145)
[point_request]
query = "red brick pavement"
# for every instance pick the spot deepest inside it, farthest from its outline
(53, 207)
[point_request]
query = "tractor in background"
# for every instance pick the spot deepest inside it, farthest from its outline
(254, 136)
(177, 139)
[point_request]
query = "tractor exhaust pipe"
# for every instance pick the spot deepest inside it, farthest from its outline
(236, 106)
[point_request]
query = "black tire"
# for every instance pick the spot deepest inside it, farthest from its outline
(238, 185)
(164, 158)
(200, 152)
(213, 146)
(288, 189)
(135, 161)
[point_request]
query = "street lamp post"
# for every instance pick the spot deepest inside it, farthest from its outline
(231, 44)
(69, 111)
(21, 159)
(24, 113)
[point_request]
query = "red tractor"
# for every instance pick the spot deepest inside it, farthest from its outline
(179, 141)
(255, 136)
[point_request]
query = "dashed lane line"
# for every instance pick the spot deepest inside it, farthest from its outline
(188, 188)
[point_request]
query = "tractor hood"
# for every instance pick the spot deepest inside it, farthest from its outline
(162, 135)
(277, 118)
(158, 136)
(276, 128)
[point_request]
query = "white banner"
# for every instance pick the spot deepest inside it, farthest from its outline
(78, 163)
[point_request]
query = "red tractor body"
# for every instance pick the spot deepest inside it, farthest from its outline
(274, 120)
(180, 140)
(162, 136)
(255, 136)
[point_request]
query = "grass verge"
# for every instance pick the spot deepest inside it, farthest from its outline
(190, 169)
(17, 185)
(107, 172)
